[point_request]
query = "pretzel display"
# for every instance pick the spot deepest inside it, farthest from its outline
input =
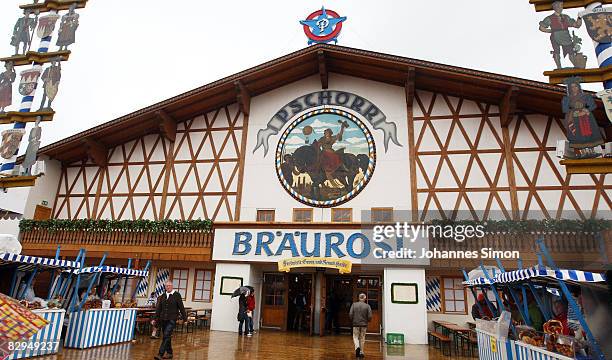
(554, 327)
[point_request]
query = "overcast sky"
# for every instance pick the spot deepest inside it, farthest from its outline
(131, 54)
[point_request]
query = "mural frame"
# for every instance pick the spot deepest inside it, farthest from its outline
(357, 189)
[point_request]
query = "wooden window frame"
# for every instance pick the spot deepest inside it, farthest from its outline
(296, 210)
(266, 210)
(172, 279)
(212, 285)
(334, 210)
(443, 297)
(372, 210)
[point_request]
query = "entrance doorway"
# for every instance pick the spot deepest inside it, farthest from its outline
(301, 299)
(287, 302)
(341, 292)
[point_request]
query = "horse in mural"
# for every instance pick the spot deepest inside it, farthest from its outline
(311, 159)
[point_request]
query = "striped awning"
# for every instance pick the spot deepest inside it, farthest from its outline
(540, 272)
(27, 263)
(113, 270)
(477, 281)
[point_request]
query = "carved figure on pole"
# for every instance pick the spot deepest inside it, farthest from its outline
(557, 25)
(51, 79)
(68, 26)
(582, 130)
(7, 78)
(32, 150)
(22, 33)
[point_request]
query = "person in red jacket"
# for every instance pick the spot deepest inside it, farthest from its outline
(250, 309)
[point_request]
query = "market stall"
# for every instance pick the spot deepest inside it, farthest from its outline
(24, 270)
(94, 322)
(523, 289)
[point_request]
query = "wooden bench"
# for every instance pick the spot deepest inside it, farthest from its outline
(439, 338)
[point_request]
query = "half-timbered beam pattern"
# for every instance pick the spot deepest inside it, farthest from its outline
(96, 151)
(323, 73)
(167, 125)
(507, 112)
(468, 161)
(410, 89)
(243, 97)
(152, 177)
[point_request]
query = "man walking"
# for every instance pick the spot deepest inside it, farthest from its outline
(360, 314)
(169, 306)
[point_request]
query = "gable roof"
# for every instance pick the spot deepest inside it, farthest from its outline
(533, 96)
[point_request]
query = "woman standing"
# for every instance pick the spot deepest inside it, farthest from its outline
(250, 308)
(242, 316)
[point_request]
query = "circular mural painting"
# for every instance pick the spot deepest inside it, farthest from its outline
(325, 157)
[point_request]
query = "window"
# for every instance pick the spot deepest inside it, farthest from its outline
(342, 215)
(454, 296)
(371, 287)
(382, 215)
(274, 289)
(265, 215)
(179, 281)
(202, 290)
(302, 215)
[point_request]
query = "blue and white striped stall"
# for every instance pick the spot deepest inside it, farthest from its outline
(522, 351)
(492, 348)
(97, 327)
(570, 276)
(47, 340)
(27, 263)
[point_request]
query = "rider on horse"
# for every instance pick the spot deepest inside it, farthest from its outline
(330, 160)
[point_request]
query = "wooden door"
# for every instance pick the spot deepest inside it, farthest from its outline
(322, 303)
(274, 303)
(371, 286)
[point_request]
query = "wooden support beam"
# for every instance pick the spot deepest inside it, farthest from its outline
(167, 125)
(97, 152)
(507, 108)
(546, 5)
(410, 90)
(243, 97)
(323, 70)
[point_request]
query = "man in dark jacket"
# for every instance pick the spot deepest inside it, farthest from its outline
(242, 315)
(360, 314)
(169, 307)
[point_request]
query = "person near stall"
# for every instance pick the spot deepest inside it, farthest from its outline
(250, 308)
(560, 313)
(535, 315)
(169, 308)
(152, 302)
(93, 294)
(486, 313)
(28, 290)
(242, 314)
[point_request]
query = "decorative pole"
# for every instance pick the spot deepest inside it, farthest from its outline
(23, 34)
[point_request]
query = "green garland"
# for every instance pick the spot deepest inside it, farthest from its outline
(150, 226)
(548, 226)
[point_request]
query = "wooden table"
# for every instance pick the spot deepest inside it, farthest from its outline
(454, 331)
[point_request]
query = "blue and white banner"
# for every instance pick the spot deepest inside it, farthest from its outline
(143, 285)
(96, 327)
(477, 281)
(30, 262)
(540, 272)
(46, 341)
(163, 275)
(490, 348)
(112, 270)
(432, 290)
